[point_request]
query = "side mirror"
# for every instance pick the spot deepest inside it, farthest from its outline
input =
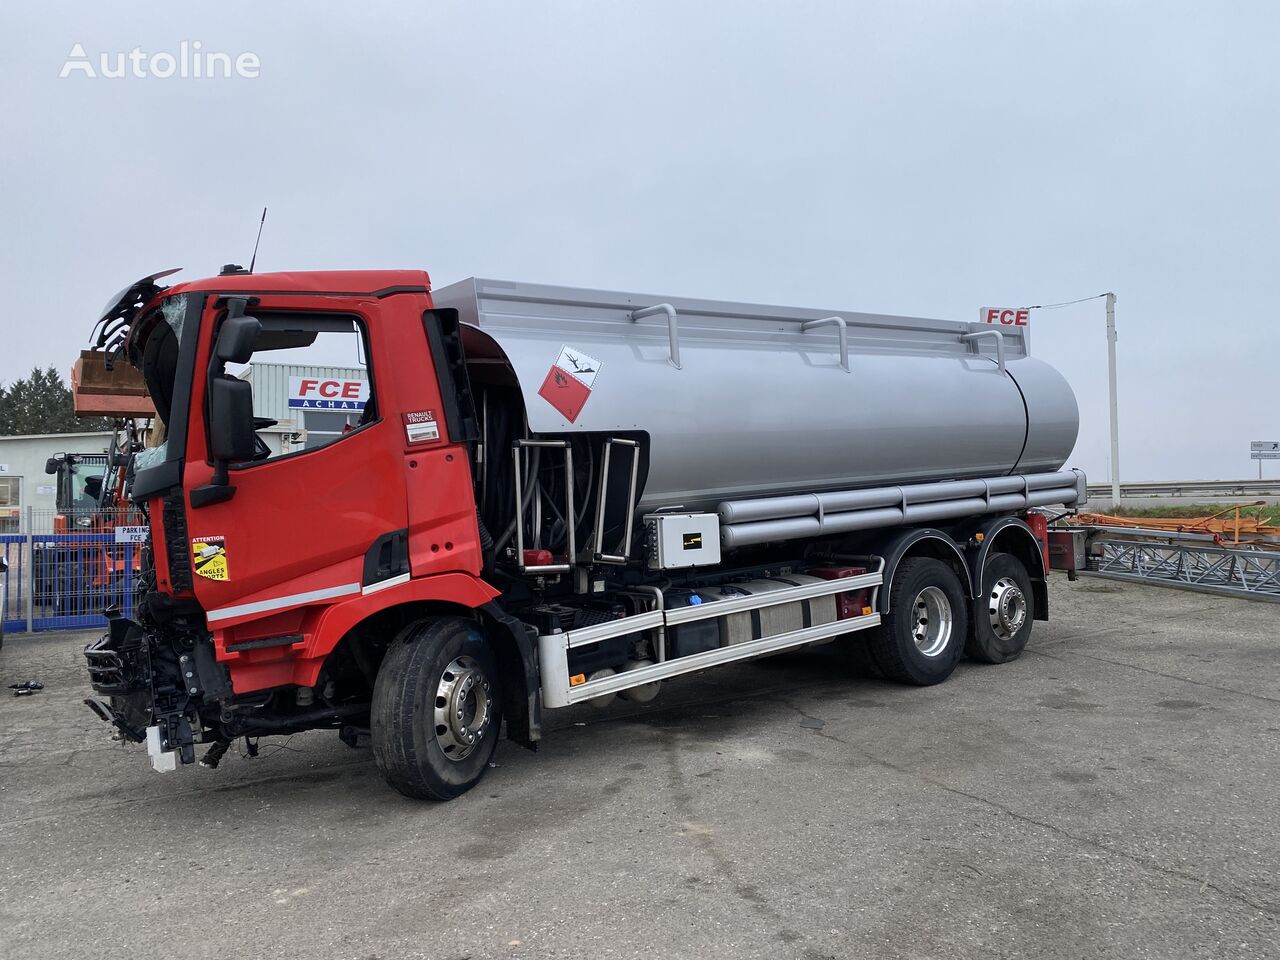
(231, 436)
(236, 338)
(51, 465)
(231, 433)
(230, 403)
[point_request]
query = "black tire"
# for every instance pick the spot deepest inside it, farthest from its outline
(412, 755)
(856, 649)
(894, 646)
(1006, 603)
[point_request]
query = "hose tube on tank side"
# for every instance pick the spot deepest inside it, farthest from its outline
(529, 489)
(849, 511)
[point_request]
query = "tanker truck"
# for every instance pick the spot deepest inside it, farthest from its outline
(541, 497)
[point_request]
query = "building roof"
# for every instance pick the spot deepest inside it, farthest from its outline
(51, 436)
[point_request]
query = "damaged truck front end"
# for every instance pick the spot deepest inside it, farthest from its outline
(158, 681)
(259, 611)
(154, 684)
(155, 678)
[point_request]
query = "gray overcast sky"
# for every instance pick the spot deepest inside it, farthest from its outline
(918, 158)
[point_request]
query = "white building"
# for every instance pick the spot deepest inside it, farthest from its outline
(310, 404)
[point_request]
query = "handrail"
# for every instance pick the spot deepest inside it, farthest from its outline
(970, 337)
(624, 549)
(673, 328)
(808, 325)
(571, 556)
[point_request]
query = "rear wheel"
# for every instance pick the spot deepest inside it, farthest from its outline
(856, 648)
(436, 709)
(1003, 613)
(922, 637)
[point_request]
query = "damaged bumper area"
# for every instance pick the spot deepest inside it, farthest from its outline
(160, 683)
(151, 689)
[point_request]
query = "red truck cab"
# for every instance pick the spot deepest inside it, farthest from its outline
(261, 565)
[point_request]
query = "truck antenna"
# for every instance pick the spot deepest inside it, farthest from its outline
(259, 240)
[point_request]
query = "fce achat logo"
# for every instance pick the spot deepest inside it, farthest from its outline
(327, 393)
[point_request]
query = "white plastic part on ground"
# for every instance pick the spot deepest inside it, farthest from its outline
(162, 760)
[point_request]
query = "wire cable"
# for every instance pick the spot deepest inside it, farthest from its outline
(1065, 303)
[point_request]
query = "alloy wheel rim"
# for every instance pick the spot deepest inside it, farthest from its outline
(463, 708)
(932, 621)
(1007, 608)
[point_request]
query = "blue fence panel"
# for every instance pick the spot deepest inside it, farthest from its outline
(13, 609)
(76, 576)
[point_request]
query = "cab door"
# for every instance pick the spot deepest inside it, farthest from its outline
(324, 490)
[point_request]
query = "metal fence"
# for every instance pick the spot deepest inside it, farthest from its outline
(66, 568)
(14, 603)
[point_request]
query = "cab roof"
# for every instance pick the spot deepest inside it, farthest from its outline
(345, 282)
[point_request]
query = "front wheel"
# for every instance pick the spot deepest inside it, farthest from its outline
(922, 636)
(436, 709)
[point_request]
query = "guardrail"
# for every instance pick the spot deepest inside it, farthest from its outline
(1243, 489)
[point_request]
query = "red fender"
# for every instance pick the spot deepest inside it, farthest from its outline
(300, 664)
(333, 623)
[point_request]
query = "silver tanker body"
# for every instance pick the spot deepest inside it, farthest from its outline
(740, 400)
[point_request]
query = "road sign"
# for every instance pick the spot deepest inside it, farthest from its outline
(1005, 316)
(1264, 450)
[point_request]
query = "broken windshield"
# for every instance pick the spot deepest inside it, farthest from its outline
(159, 365)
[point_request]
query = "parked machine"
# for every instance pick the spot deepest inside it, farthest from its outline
(90, 487)
(549, 496)
(80, 568)
(79, 481)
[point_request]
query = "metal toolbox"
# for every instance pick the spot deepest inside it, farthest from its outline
(1067, 549)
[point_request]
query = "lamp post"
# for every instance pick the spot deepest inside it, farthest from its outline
(1115, 413)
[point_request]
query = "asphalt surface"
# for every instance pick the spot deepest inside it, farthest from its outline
(1113, 793)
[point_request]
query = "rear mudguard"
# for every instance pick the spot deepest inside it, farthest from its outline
(1007, 535)
(898, 545)
(971, 552)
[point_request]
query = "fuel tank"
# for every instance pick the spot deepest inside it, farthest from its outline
(748, 400)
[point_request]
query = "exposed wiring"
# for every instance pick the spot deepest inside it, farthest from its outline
(252, 751)
(1064, 303)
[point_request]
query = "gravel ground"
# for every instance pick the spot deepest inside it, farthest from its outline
(1113, 793)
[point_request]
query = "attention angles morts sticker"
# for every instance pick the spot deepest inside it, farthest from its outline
(209, 558)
